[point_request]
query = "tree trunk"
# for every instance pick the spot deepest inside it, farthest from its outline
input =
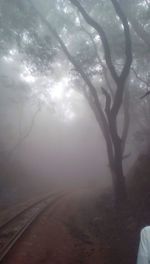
(117, 167)
(120, 186)
(107, 119)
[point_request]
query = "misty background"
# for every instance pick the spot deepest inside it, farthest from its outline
(49, 136)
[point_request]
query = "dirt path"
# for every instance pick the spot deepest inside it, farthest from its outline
(56, 239)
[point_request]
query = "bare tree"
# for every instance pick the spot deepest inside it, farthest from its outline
(106, 118)
(110, 86)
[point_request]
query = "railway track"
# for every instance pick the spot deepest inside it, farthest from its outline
(14, 228)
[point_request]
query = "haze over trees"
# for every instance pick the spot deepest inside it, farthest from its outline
(95, 49)
(75, 110)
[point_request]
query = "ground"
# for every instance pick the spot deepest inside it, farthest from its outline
(60, 237)
(83, 227)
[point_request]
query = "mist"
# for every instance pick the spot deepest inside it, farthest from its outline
(53, 138)
(74, 116)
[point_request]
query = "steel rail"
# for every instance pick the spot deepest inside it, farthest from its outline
(15, 237)
(2, 226)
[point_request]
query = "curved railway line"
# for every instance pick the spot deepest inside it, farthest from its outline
(15, 227)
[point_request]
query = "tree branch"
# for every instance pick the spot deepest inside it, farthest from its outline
(126, 69)
(137, 27)
(101, 117)
(99, 60)
(143, 81)
(128, 45)
(108, 102)
(145, 95)
(139, 78)
(126, 107)
(120, 80)
(102, 35)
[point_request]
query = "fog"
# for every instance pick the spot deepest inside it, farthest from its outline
(74, 130)
(63, 142)
(49, 138)
(50, 134)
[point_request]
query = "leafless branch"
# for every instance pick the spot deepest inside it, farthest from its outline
(139, 78)
(136, 25)
(104, 68)
(143, 81)
(108, 102)
(126, 112)
(102, 35)
(145, 95)
(120, 80)
(101, 117)
(126, 69)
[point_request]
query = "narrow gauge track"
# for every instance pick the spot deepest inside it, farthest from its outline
(13, 229)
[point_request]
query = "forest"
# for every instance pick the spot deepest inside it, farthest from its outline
(75, 119)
